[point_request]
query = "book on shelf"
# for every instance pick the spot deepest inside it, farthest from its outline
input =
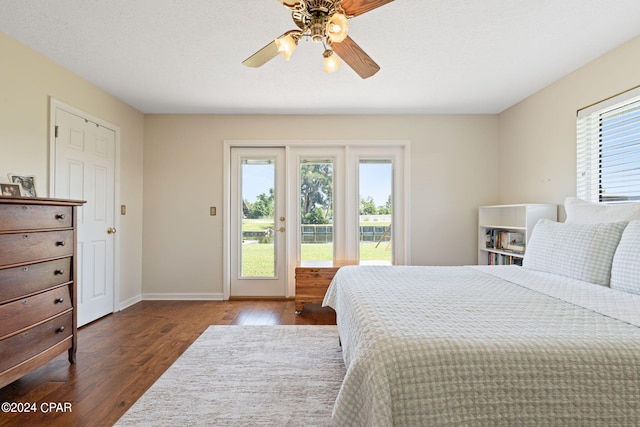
(504, 240)
(515, 247)
(501, 259)
(489, 238)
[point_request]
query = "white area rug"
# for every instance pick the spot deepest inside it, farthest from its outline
(247, 375)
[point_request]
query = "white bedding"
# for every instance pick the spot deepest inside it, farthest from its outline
(498, 345)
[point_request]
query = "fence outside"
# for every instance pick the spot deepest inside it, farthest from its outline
(320, 233)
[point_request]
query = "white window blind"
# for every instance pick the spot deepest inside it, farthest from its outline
(608, 149)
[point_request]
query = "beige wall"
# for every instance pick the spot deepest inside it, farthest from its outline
(538, 135)
(452, 173)
(27, 80)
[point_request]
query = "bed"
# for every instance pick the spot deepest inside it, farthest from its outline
(555, 342)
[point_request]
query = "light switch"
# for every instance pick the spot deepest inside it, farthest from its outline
(123, 209)
(212, 211)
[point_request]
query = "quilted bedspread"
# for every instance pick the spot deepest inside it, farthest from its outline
(492, 345)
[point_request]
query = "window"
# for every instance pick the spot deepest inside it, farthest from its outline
(316, 210)
(608, 149)
(347, 196)
(376, 183)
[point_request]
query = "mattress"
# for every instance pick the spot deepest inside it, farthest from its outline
(484, 345)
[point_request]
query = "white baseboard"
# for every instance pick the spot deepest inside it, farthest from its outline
(131, 301)
(183, 297)
(169, 297)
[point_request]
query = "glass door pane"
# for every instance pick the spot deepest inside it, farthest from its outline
(316, 210)
(258, 221)
(375, 191)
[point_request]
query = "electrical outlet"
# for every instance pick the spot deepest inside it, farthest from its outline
(212, 211)
(123, 209)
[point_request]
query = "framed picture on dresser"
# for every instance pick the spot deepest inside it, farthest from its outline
(10, 189)
(28, 183)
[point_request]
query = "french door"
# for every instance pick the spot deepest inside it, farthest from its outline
(258, 222)
(347, 202)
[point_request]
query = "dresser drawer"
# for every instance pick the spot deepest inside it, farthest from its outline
(23, 346)
(25, 217)
(29, 279)
(26, 247)
(24, 312)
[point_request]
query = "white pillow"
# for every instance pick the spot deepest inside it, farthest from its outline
(582, 212)
(580, 251)
(625, 270)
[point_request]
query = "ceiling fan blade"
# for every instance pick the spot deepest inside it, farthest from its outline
(270, 51)
(358, 7)
(262, 56)
(356, 58)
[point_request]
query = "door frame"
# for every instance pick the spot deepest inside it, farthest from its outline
(55, 104)
(401, 227)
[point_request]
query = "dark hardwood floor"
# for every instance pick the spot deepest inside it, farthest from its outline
(121, 355)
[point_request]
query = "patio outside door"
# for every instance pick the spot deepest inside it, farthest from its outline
(258, 223)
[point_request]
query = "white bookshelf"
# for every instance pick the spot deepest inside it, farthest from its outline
(521, 218)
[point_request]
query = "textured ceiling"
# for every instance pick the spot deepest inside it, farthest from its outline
(436, 56)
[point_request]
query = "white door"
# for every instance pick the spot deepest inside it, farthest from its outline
(258, 223)
(84, 163)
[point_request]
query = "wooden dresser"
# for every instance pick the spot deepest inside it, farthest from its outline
(313, 280)
(37, 291)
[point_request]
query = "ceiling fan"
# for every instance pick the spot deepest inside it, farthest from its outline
(323, 21)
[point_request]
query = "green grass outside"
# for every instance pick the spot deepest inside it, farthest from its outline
(261, 225)
(257, 259)
(256, 224)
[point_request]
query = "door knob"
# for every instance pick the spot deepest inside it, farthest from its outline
(111, 230)
(281, 229)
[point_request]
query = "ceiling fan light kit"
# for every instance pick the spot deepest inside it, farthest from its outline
(337, 28)
(331, 62)
(286, 45)
(326, 22)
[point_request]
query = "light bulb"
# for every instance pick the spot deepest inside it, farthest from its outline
(331, 61)
(286, 45)
(337, 28)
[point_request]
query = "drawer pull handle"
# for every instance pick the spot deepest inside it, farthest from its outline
(58, 272)
(60, 217)
(60, 243)
(59, 300)
(25, 236)
(60, 329)
(25, 269)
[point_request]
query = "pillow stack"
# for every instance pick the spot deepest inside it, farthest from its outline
(598, 244)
